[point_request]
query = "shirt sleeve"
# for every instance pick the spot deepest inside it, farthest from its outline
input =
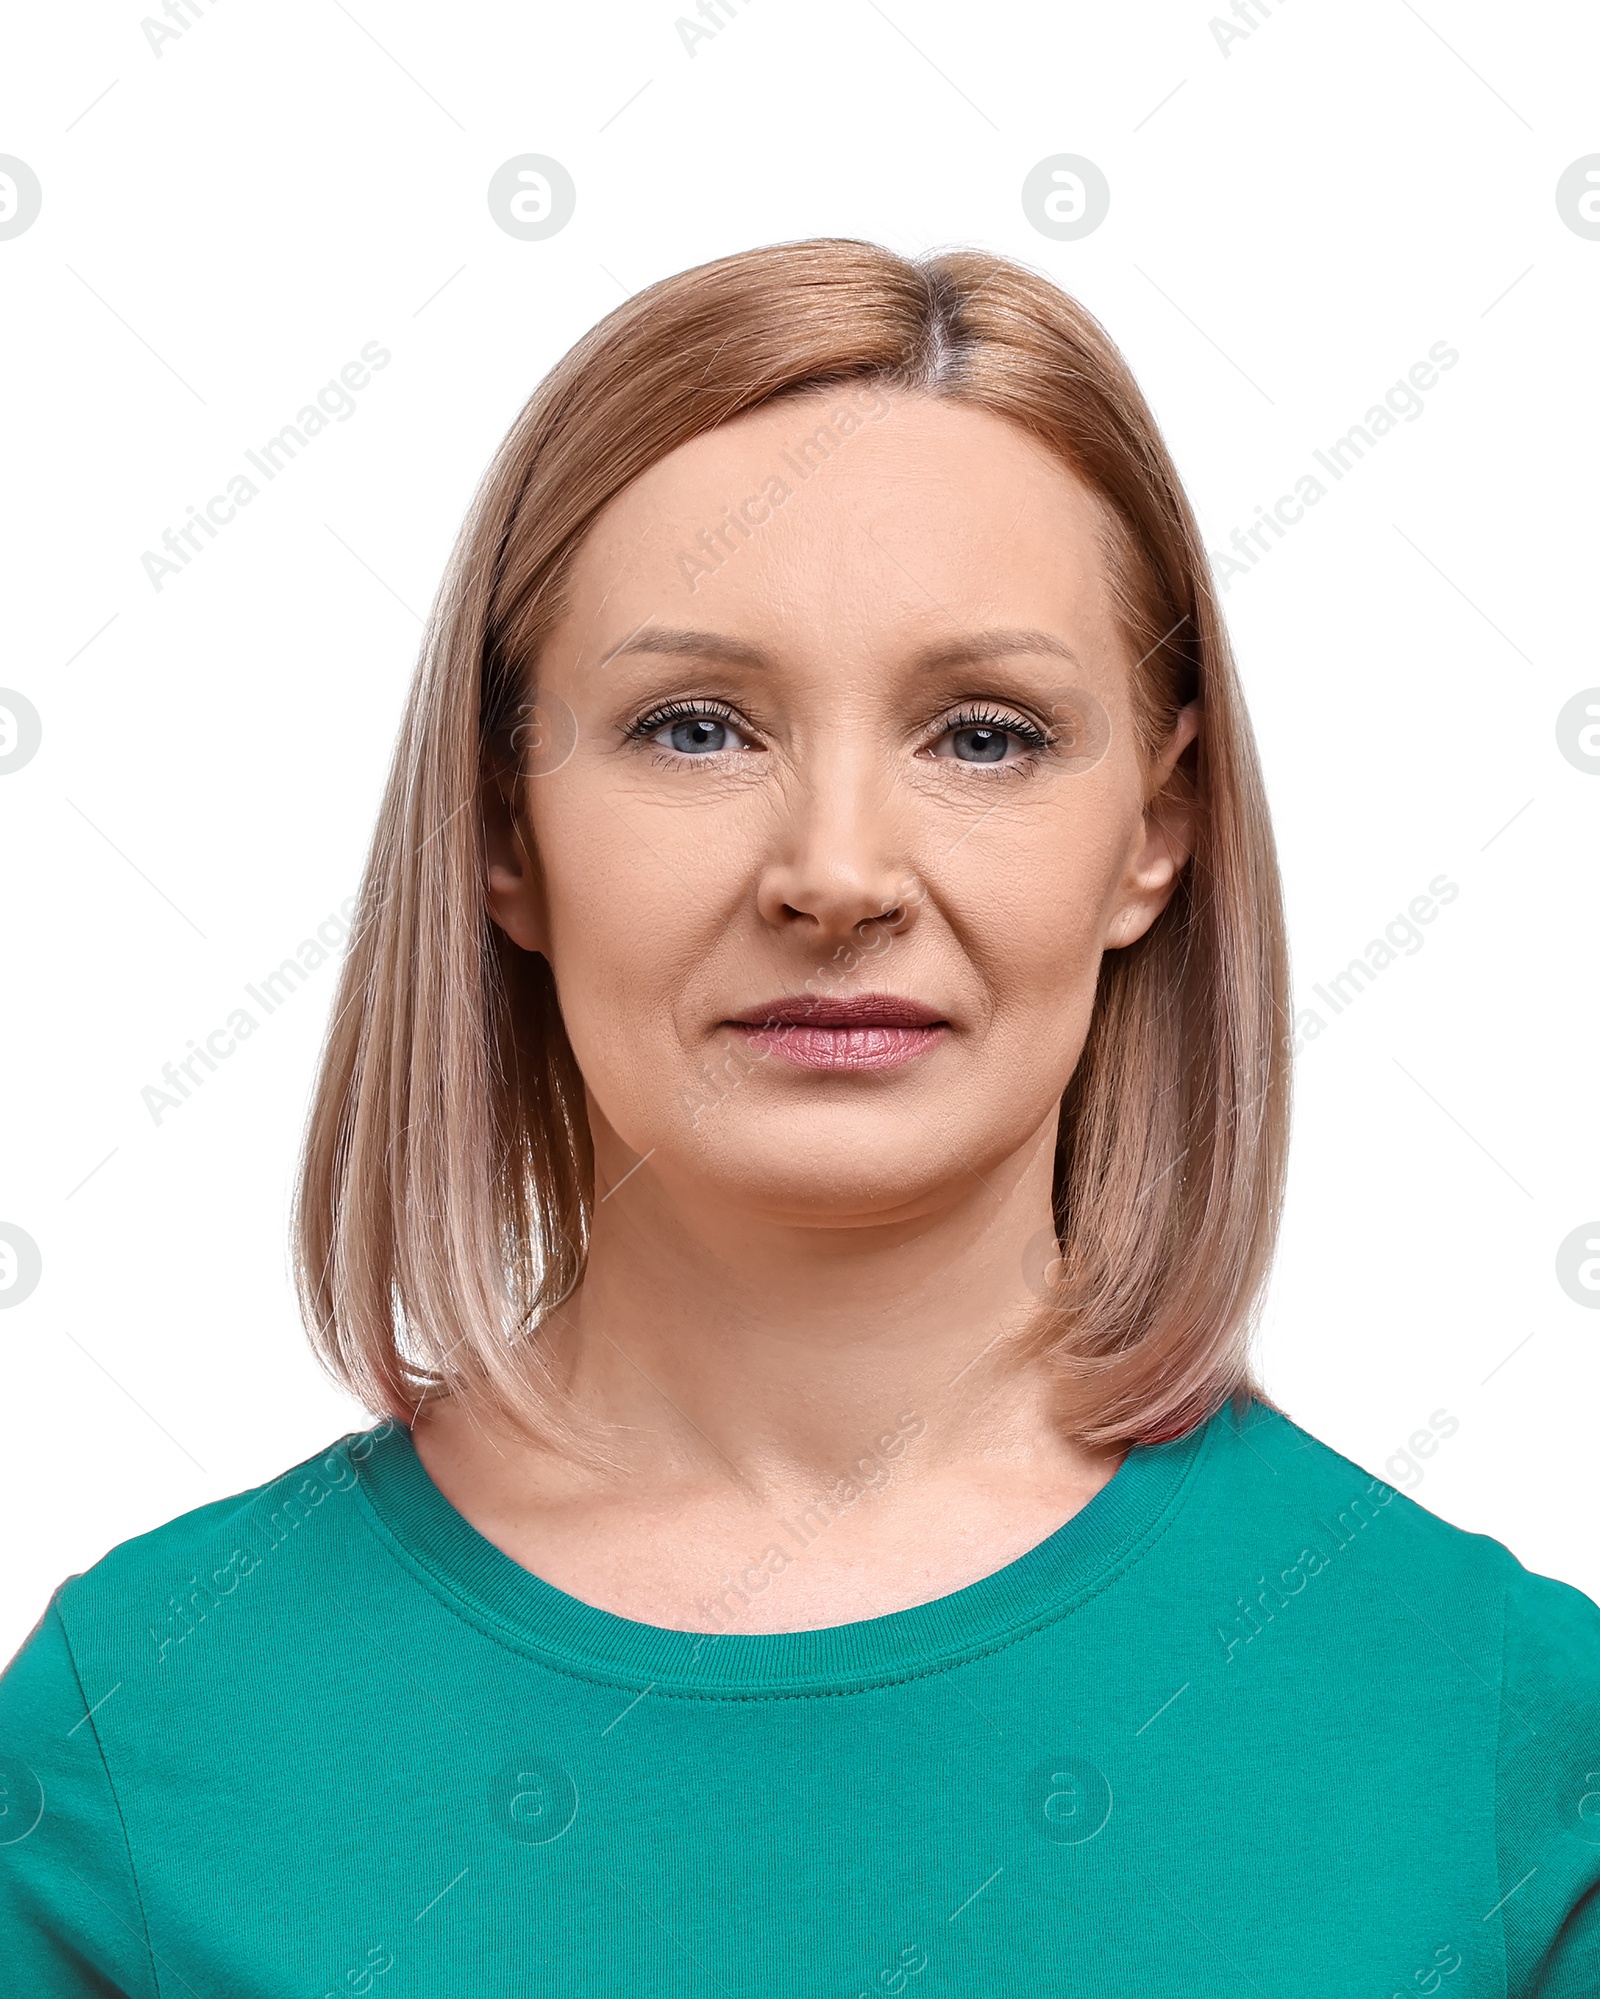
(1548, 1794)
(71, 1926)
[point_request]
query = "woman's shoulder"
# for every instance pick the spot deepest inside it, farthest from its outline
(1286, 1480)
(1451, 1643)
(149, 1595)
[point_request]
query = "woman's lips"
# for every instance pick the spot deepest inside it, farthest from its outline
(865, 1031)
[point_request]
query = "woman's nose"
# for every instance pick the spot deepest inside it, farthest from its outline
(837, 863)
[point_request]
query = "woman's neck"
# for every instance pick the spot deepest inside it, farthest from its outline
(733, 1367)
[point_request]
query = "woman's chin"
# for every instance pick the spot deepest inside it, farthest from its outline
(826, 1174)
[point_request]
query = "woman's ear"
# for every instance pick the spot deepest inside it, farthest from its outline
(1166, 837)
(512, 888)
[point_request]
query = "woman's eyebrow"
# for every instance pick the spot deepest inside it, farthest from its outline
(975, 646)
(684, 644)
(970, 647)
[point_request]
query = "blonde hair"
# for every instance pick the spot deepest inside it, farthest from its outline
(447, 1181)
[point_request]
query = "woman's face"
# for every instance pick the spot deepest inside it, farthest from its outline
(853, 808)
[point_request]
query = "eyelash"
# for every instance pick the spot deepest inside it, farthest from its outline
(669, 712)
(982, 717)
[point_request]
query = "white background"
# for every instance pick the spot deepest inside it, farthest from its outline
(1293, 223)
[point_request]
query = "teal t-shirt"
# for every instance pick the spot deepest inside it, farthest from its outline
(1250, 1723)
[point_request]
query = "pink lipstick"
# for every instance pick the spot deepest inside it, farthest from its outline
(867, 1031)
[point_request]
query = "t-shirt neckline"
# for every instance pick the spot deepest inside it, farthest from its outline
(1083, 1556)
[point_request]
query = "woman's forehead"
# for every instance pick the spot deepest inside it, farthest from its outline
(851, 448)
(931, 516)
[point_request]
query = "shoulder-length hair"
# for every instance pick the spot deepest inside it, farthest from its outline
(447, 1182)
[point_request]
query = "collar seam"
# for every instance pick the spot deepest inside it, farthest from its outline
(488, 1624)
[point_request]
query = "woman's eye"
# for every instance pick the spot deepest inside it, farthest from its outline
(698, 734)
(988, 742)
(704, 734)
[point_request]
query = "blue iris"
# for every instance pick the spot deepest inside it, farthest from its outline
(980, 745)
(700, 736)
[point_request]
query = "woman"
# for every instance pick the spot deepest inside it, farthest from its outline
(798, 1148)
